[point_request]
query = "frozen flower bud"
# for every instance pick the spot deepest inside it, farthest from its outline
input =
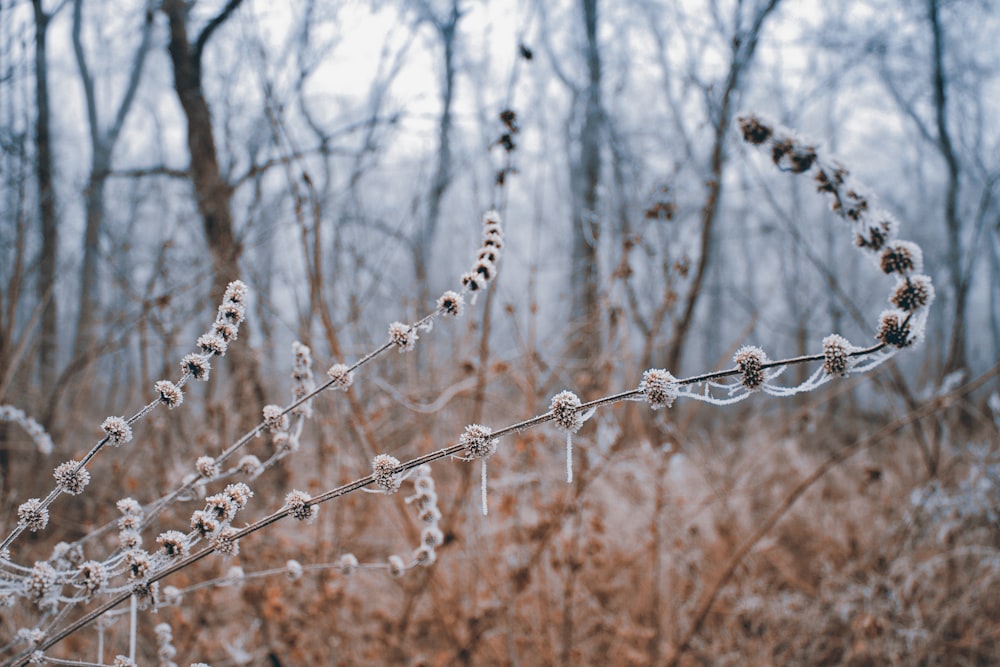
(93, 576)
(239, 493)
(901, 257)
(203, 522)
(749, 361)
(71, 477)
(225, 542)
(384, 472)
(130, 539)
(117, 430)
(275, 419)
(207, 467)
(347, 564)
(212, 344)
(300, 507)
(451, 303)
(197, 365)
(396, 566)
(659, 388)
(473, 281)
(894, 329)
(836, 354)
(33, 515)
(565, 408)
(173, 543)
(221, 507)
(477, 442)
(293, 570)
(755, 131)
(250, 465)
(912, 292)
(170, 394)
(139, 565)
(402, 336)
(341, 375)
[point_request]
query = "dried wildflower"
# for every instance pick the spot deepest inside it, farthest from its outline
(402, 336)
(173, 543)
(901, 257)
(41, 581)
(203, 522)
(139, 564)
(749, 361)
(347, 564)
(384, 472)
(130, 538)
(293, 570)
(225, 542)
(250, 465)
(33, 515)
(341, 375)
(659, 388)
(836, 353)
(212, 344)
(93, 576)
(170, 394)
(197, 365)
(755, 131)
(300, 507)
(207, 467)
(71, 477)
(239, 493)
(221, 507)
(894, 329)
(117, 430)
(913, 292)
(477, 442)
(396, 566)
(451, 303)
(275, 419)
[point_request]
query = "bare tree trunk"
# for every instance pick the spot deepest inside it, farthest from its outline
(48, 340)
(212, 191)
(744, 45)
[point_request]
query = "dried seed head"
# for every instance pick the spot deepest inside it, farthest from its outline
(755, 131)
(473, 281)
(117, 430)
(204, 523)
(226, 331)
(431, 536)
(285, 442)
(659, 388)
(33, 515)
(170, 394)
(341, 375)
(565, 408)
(836, 354)
(749, 361)
(225, 542)
(913, 292)
(901, 257)
(876, 235)
(236, 292)
(93, 576)
(173, 543)
(274, 418)
(139, 565)
(123, 661)
(424, 555)
(384, 472)
(477, 441)
(402, 336)
(347, 564)
(130, 538)
(301, 509)
(894, 329)
(451, 303)
(239, 493)
(197, 365)
(396, 566)
(221, 507)
(231, 312)
(71, 477)
(293, 570)
(207, 467)
(210, 343)
(250, 465)
(41, 581)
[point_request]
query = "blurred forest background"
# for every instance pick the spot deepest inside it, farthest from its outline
(337, 156)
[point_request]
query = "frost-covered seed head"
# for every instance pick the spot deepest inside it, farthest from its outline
(117, 430)
(173, 543)
(451, 303)
(36, 658)
(477, 442)
(424, 555)
(659, 388)
(913, 292)
(212, 344)
(225, 542)
(836, 354)
(301, 509)
(203, 522)
(226, 331)
(894, 329)
(221, 507)
(234, 313)
(347, 564)
(384, 472)
(493, 240)
(139, 565)
(71, 477)
(239, 493)
(293, 570)
(565, 408)
(41, 580)
(274, 418)
(402, 336)
(250, 465)
(430, 514)
(170, 394)
(129, 507)
(488, 254)
(901, 257)
(431, 536)
(485, 268)
(755, 130)
(123, 661)
(33, 515)
(197, 365)
(285, 442)
(172, 596)
(397, 567)
(207, 467)
(236, 292)
(130, 538)
(473, 281)
(876, 235)
(341, 375)
(93, 576)
(749, 361)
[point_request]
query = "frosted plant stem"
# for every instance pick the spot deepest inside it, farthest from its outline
(486, 510)
(569, 458)
(132, 622)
